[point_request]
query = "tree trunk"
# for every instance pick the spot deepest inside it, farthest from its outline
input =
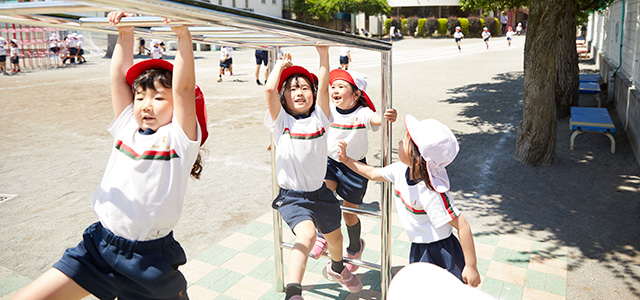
(536, 142)
(567, 79)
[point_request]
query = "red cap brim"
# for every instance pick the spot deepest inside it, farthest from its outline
(201, 107)
(293, 70)
(340, 74)
(139, 68)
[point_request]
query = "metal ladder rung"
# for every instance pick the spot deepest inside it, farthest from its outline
(356, 262)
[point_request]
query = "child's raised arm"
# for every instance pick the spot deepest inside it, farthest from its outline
(271, 86)
(323, 80)
(121, 60)
(367, 171)
(184, 83)
(470, 274)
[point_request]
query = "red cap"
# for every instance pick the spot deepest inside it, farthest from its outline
(201, 108)
(353, 78)
(292, 70)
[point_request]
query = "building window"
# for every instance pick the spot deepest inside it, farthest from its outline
(274, 2)
(246, 3)
(233, 3)
(264, 1)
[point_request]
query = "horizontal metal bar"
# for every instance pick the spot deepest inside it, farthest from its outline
(144, 21)
(202, 12)
(357, 211)
(356, 262)
(47, 7)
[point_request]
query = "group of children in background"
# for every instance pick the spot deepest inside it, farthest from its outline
(486, 35)
(14, 57)
(319, 124)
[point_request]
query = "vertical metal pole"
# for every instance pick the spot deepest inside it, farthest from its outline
(385, 206)
(275, 189)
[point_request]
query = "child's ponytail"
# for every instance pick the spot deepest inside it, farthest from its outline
(197, 167)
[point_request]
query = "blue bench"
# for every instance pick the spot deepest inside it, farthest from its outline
(590, 87)
(589, 77)
(591, 119)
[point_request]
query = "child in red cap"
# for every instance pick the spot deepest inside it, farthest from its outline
(353, 115)
(423, 200)
(158, 129)
(298, 116)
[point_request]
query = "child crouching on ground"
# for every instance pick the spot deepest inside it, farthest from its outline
(298, 115)
(423, 201)
(159, 126)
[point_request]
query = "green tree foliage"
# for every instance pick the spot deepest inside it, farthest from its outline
(326, 8)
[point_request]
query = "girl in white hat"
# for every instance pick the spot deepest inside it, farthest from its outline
(423, 200)
(458, 36)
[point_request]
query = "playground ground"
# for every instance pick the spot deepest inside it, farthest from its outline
(568, 231)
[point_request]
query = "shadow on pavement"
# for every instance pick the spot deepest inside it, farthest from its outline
(588, 199)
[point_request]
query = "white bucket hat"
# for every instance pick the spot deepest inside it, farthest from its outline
(438, 147)
(485, 28)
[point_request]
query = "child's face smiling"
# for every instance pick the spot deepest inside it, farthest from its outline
(342, 95)
(299, 97)
(153, 109)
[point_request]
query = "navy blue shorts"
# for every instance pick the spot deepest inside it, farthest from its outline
(15, 60)
(486, 39)
(3, 58)
(344, 60)
(320, 206)
(262, 57)
(109, 266)
(446, 253)
(458, 39)
(73, 51)
(227, 63)
(351, 186)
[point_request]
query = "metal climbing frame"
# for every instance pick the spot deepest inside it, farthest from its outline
(220, 25)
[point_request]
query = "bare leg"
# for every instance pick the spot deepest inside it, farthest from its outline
(305, 238)
(52, 285)
(334, 243)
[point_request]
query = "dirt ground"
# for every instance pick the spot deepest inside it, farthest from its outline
(55, 147)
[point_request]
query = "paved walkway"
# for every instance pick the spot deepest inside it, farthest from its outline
(242, 266)
(540, 233)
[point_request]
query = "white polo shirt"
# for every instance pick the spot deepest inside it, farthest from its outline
(142, 190)
(352, 128)
(424, 214)
(301, 149)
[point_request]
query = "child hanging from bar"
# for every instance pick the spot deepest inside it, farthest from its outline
(298, 115)
(159, 126)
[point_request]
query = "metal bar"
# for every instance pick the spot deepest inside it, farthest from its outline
(204, 12)
(385, 206)
(147, 21)
(360, 263)
(47, 7)
(357, 211)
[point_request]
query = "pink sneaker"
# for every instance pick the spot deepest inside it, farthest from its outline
(346, 279)
(318, 248)
(296, 297)
(358, 255)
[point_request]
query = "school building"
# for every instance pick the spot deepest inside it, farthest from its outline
(613, 39)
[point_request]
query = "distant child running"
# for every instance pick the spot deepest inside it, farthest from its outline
(485, 36)
(159, 125)
(353, 116)
(15, 59)
(298, 117)
(423, 200)
(458, 36)
(156, 50)
(345, 57)
(509, 35)
(226, 61)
